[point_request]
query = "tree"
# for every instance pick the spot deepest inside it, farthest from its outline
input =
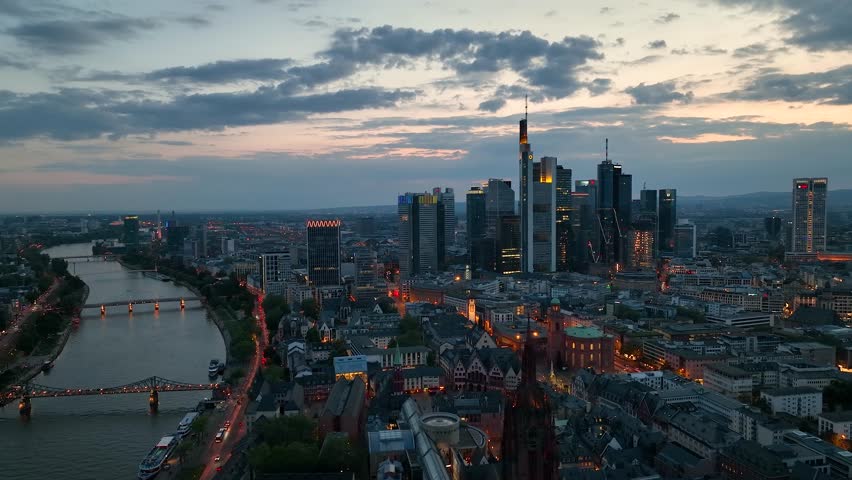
(338, 455)
(283, 430)
(242, 349)
(59, 266)
(199, 426)
(338, 349)
(183, 449)
(311, 308)
(273, 373)
(838, 394)
(313, 336)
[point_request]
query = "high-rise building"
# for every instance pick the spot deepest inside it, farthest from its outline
(666, 221)
(447, 200)
(585, 221)
(614, 204)
(685, 240)
(772, 226)
(131, 231)
(418, 234)
(274, 271)
(809, 215)
(537, 208)
(648, 219)
(564, 231)
(499, 201)
(323, 243)
(529, 439)
(480, 248)
(508, 242)
(648, 201)
(642, 242)
(366, 268)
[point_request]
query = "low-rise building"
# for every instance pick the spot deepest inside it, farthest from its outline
(836, 422)
(796, 401)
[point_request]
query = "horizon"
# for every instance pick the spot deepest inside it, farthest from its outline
(212, 106)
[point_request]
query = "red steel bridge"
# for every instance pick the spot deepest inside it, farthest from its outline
(151, 385)
(141, 301)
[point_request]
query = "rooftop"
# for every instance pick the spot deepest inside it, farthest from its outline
(583, 332)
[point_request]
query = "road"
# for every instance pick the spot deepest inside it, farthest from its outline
(9, 339)
(236, 406)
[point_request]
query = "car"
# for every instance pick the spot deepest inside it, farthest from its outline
(219, 468)
(217, 459)
(227, 424)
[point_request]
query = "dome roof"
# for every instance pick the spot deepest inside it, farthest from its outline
(555, 301)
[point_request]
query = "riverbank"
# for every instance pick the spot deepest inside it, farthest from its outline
(32, 364)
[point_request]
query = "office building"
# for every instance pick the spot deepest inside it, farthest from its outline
(366, 268)
(447, 207)
(666, 221)
(274, 271)
(323, 238)
(615, 190)
(648, 202)
(508, 243)
(537, 208)
(131, 231)
(499, 201)
(564, 231)
(685, 240)
(584, 221)
(809, 215)
(642, 243)
(772, 225)
(418, 234)
(480, 248)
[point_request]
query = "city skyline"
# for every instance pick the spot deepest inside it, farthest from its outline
(212, 107)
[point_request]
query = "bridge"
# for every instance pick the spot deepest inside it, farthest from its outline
(151, 385)
(104, 256)
(131, 302)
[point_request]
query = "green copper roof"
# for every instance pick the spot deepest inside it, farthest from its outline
(555, 301)
(583, 332)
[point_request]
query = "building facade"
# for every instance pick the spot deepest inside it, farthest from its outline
(323, 237)
(809, 215)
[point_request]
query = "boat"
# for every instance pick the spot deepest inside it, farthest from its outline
(186, 424)
(213, 369)
(47, 365)
(153, 462)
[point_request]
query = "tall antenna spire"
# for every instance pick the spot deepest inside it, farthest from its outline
(525, 107)
(606, 151)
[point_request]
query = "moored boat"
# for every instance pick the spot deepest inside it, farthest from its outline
(157, 457)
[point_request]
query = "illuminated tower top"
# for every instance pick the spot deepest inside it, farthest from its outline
(523, 136)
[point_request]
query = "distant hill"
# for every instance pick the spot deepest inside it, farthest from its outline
(837, 200)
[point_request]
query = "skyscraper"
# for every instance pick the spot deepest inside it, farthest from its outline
(499, 200)
(418, 234)
(447, 199)
(323, 238)
(685, 240)
(642, 242)
(537, 208)
(666, 221)
(480, 247)
(564, 232)
(508, 242)
(614, 204)
(525, 196)
(809, 215)
(585, 220)
(648, 219)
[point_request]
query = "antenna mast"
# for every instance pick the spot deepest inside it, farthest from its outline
(606, 151)
(525, 107)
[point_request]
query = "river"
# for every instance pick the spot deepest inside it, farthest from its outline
(90, 438)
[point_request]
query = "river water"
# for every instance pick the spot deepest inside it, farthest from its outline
(89, 438)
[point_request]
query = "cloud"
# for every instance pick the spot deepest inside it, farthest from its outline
(656, 44)
(550, 13)
(550, 68)
(711, 50)
(599, 86)
(643, 61)
(62, 37)
(73, 114)
(829, 87)
(757, 50)
(668, 18)
(225, 71)
(492, 105)
(11, 62)
(195, 21)
(680, 51)
(605, 10)
(658, 93)
(813, 24)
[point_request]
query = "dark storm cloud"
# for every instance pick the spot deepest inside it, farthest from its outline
(73, 114)
(656, 44)
(225, 71)
(658, 93)
(58, 37)
(830, 87)
(492, 105)
(813, 24)
(667, 18)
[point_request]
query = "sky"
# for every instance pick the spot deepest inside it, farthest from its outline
(110, 105)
